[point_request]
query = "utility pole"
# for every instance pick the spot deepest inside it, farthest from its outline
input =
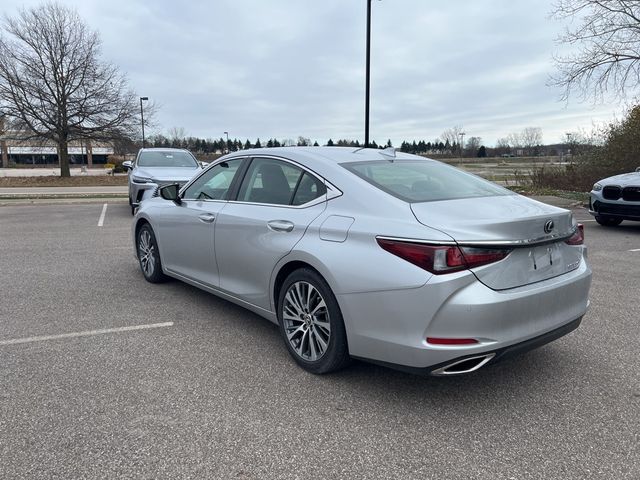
(368, 79)
(142, 118)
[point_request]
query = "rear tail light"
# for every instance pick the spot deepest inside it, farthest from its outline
(439, 259)
(578, 237)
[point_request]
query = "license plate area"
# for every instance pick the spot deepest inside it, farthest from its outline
(545, 257)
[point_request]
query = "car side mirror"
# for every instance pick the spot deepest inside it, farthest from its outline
(127, 165)
(170, 192)
(204, 164)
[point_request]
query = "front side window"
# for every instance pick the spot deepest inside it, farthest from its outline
(214, 184)
(424, 180)
(160, 158)
(278, 183)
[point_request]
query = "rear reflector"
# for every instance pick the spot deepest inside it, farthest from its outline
(578, 237)
(451, 341)
(439, 259)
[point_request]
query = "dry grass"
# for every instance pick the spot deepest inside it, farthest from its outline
(54, 181)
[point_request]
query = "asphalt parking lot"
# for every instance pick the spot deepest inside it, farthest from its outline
(206, 389)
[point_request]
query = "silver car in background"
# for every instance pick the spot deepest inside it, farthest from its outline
(156, 167)
(392, 258)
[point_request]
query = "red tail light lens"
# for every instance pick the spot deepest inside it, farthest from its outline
(439, 259)
(578, 237)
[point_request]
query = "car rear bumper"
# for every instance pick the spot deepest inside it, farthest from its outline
(391, 327)
(493, 356)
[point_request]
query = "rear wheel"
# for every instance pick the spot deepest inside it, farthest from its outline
(149, 255)
(311, 323)
(608, 221)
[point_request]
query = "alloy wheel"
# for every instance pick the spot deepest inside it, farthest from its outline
(306, 321)
(146, 253)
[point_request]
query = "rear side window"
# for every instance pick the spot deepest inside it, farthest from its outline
(424, 180)
(308, 189)
(276, 182)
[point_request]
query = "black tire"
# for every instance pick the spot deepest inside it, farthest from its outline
(149, 255)
(608, 221)
(303, 321)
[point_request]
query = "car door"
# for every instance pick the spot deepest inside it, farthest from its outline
(276, 202)
(186, 232)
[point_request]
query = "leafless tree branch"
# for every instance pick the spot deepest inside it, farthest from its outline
(606, 60)
(54, 85)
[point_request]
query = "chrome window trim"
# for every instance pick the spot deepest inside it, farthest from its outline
(332, 190)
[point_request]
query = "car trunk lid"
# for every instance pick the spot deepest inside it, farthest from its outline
(534, 230)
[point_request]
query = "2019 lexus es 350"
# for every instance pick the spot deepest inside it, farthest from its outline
(392, 258)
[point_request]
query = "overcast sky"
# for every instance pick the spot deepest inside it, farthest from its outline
(284, 68)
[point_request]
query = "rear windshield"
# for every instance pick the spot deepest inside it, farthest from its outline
(423, 180)
(166, 159)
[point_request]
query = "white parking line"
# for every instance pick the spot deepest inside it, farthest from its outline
(101, 219)
(87, 333)
(635, 250)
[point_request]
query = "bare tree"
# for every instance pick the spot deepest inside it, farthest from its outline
(531, 138)
(452, 135)
(53, 84)
(606, 42)
(303, 141)
(473, 144)
(177, 134)
(515, 140)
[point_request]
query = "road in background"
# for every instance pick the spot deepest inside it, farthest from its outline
(215, 394)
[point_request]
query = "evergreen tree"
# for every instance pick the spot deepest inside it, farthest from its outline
(257, 144)
(330, 143)
(247, 144)
(482, 152)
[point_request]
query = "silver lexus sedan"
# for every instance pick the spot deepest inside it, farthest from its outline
(155, 167)
(372, 254)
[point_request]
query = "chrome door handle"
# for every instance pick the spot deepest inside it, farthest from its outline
(207, 217)
(280, 225)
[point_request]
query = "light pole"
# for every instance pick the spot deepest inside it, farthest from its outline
(142, 118)
(462, 134)
(227, 144)
(368, 79)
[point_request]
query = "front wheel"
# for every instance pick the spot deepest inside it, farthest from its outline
(608, 221)
(149, 255)
(311, 323)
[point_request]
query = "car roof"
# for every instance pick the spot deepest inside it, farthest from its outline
(329, 155)
(163, 149)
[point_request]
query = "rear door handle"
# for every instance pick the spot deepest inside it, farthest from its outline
(207, 217)
(280, 225)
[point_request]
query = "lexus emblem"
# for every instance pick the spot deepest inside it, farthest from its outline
(548, 227)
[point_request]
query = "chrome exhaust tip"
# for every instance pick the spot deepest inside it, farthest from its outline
(466, 365)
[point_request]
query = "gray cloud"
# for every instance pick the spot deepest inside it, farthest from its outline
(283, 68)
